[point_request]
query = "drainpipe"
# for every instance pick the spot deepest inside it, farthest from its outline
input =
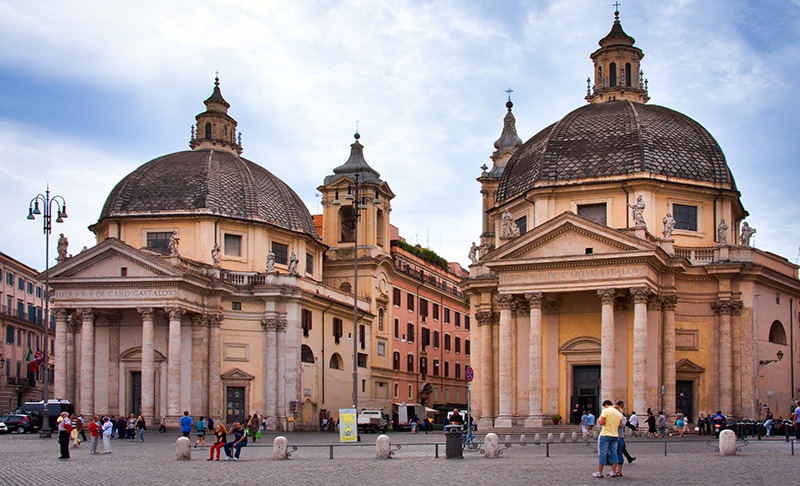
(419, 339)
(323, 353)
(791, 343)
(716, 198)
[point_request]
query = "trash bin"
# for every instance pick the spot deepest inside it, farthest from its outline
(453, 442)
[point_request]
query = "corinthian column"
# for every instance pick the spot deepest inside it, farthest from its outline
(640, 297)
(668, 303)
(535, 367)
(505, 302)
(281, 377)
(486, 369)
(71, 328)
(270, 366)
(87, 361)
(174, 363)
(60, 355)
(199, 365)
(148, 364)
(214, 377)
(607, 344)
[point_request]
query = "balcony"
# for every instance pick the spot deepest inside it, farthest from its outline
(20, 381)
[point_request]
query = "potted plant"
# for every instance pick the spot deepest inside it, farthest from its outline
(556, 419)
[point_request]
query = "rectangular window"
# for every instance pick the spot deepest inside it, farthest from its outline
(381, 348)
(458, 371)
(435, 312)
(423, 366)
(362, 360)
(236, 306)
(38, 292)
(306, 321)
(396, 361)
(159, 241)
(123, 271)
(423, 308)
(436, 367)
(466, 347)
(458, 345)
(9, 335)
(458, 319)
(410, 303)
(447, 342)
(281, 252)
(31, 313)
(409, 392)
(522, 224)
(30, 288)
(426, 337)
(397, 389)
(435, 339)
(337, 329)
(410, 332)
(362, 336)
(685, 217)
(397, 329)
(309, 263)
(396, 297)
(446, 315)
(233, 245)
(466, 323)
(446, 369)
(410, 366)
(10, 278)
(21, 282)
(593, 212)
(19, 337)
(20, 309)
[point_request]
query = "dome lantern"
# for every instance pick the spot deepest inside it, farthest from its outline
(215, 129)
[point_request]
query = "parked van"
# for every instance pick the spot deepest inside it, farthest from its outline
(54, 408)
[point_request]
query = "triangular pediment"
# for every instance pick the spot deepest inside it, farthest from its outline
(108, 258)
(687, 366)
(237, 374)
(569, 235)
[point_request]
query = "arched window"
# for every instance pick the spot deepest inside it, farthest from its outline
(777, 334)
(599, 76)
(380, 319)
(628, 74)
(410, 363)
(306, 355)
(336, 362)
(612, 73)
(208, 131)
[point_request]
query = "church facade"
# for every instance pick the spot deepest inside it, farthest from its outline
(615, 263)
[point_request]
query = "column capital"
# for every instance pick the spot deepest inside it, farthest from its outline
(640, 294)
(607, 296)
(214, 319)
(87, 314)
(535, 299)
(729, 307)
(198, 320)
(668, 301)
(114, 319)
(521, 308)
(281, 327)
(505, 301)
(270, 323)
(147, 313)
(484, 318)
(175, 313)
(61, 313)
(552, 306)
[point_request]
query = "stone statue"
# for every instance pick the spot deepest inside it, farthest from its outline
(747, 232)
(271, 262)
(62, 247)
(669, 225)
(215, 254)
(722, 232)
(473, 253)
(293, 261)
(637, 211)
(174, 240)
(485, 248)
(509, 228)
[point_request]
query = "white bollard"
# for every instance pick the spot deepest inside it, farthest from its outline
(182, 449)
(727, 443)
(523, 439)
(537, 439)
(491, 444)
(507, 439)
(562, 437)
(280, 448)
(550, 437)
(574, 437)
(383, 447)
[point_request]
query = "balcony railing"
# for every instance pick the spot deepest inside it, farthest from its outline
(20, 381)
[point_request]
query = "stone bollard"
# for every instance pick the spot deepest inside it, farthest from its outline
(574, 437)
(280, 448)
(562, 437)
(507, 439)
(182, 449)
(550, 437)
(383, 447)
(727, 443)
(537, 439)
(523, 439)
(491, 444)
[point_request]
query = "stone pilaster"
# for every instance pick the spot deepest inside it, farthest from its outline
(519, 402)
(505, 303)
(282, 409)
(214, 376)
(668, 303)
(199, 365)
(113, 363)
(270, 367)
(640, 298)
(148, 364)
(536, 358)
(71, 328)
(87, 362)
(487, 369)
(607, 344)
(174, 363)
(726, 309)
(60, 355)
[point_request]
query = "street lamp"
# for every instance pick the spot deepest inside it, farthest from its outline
(779, 354)
(61, 213)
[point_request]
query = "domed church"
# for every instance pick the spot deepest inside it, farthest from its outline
(616, 263)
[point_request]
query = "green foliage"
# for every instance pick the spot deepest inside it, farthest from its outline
(556, 417)
(429, 256)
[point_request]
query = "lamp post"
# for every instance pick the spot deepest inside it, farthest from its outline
(61, 213)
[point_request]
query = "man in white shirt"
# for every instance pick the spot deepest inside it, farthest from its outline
(634, 421)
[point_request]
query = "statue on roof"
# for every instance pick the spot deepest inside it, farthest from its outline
(722, 232)
(669, 225)
(293, 261)
(747, 232)
(509, 228)
(473, 251)
(637, 210)
(215, 254)
(174, 240)
(62, 248)
(271, 262)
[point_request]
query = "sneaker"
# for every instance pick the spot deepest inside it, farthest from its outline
(613, 475)
(631, 461)
(235, 458)
(597, 475)
(228, 459)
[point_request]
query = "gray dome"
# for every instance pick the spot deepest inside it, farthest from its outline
(616, 138)
(209, 182)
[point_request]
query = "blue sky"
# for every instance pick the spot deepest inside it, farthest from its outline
(92, 90)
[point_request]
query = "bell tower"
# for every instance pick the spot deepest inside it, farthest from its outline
(617, 70)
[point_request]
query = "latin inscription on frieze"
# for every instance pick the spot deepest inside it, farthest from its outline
(581, 274)
(113, 293)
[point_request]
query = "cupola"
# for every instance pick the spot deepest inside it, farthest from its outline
(215, 129)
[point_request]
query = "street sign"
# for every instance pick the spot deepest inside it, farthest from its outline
(470, 373)
(766, 405)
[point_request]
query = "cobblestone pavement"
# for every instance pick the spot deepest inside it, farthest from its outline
(26, 460)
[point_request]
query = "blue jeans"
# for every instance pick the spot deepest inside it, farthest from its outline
(141, 434)
(238, 447)
(607, 448)
(620, 447)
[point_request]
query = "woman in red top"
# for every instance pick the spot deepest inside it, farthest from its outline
(94, 434)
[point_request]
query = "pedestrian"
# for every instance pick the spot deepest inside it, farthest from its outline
(324, 423)
(679, 422)
(94, 433)
(609, 421)
(662, 424)
(622, 449)
(162, 426)
(796, 420)
(253, 426)
(768, 422)
(590, 419)
(201, 432)
(80, 428)
(633, 424)
(414, 424)
(651, 424)
(108, 430)
(186, 424)
(76, 440)
(122, 427)
(220, 438)
(264, 423)
(64, 430)
(113, 421)
(701, 424)
(131, 427)
(585, 423)
(141, 425)
(239, 441)
(210, 424)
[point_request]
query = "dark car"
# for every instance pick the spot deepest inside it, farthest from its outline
(20, 423)
(54, 408)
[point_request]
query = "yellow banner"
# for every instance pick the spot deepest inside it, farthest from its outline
(348, 425)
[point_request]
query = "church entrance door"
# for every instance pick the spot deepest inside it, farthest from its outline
(683, 398)
(234, 404)
(586, 388)
(136, 393)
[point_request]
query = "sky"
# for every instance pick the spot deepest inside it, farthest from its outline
(92, 90)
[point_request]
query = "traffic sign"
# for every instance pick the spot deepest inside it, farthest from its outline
(470, 373)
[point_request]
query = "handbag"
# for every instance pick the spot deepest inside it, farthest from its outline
(258, 434)
(247, 431)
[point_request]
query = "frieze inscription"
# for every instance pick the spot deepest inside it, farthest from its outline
(114, 293)
(572, 275)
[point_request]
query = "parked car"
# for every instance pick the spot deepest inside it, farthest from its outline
(3, 428)
(20, 423)
(54, 408)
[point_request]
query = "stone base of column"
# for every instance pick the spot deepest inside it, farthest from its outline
(534, 421)
(175, 421)
(485, 423)
(503, 422)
